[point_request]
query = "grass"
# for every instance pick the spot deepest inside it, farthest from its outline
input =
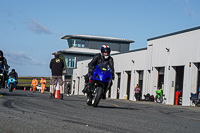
(26, 81)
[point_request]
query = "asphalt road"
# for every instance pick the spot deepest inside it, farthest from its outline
(28, 112)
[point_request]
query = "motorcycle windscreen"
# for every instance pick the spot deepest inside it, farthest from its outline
(104, 67)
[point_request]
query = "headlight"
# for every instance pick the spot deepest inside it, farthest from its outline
(1, 74)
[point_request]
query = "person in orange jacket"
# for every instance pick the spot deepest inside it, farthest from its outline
(43, 82)
(34, 84)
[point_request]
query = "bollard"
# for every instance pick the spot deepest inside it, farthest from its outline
(24, 88)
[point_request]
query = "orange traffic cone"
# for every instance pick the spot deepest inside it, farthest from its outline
(24, 88)
(57, 92)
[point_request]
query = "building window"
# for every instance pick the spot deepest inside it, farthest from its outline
(70, 62)
(76, 43)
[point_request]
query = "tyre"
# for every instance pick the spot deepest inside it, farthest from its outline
(89, 102)
(180, 100)
(159, 100)
(11, 87)
(6, 84)
(97, 96)
(89, 98)
(147, 98)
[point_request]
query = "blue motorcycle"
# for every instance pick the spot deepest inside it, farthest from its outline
(100, 81)
(11, 83)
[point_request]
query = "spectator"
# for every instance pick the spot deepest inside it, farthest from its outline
(137, 92)
(56, 66)
(68, 89)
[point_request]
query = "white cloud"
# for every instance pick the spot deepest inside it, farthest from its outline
(21, 58)
(37, 27)
(185, 4)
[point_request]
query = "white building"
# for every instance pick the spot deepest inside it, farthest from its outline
(170, 61)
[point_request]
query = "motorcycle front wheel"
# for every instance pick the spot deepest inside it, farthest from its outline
(97, 96)
(159, 100)
(11, 87)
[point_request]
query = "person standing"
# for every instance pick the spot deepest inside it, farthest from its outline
(34, 84)
(68, 89)
(56, 66)
(43, 82)
(137, 92)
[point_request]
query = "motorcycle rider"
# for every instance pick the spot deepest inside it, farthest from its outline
(3, 63)
(103, 57)
(14, 74)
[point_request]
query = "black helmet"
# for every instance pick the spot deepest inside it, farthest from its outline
(13, 70)
(1, 53)
(105, 49)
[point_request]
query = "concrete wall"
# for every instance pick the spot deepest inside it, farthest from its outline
(171, 51)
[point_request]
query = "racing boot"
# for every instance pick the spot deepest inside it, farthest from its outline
(61, 97)
(51, 96)
(104, 96)
(85, 88)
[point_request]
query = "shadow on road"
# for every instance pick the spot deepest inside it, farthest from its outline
(14, 94)
(124, 108)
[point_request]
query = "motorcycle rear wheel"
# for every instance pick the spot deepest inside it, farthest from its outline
(6, 84)
(11, 87)
(97, 97)
(89, 102)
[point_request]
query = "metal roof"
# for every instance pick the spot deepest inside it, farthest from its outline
(103, 38)
(174, 33)
(77, 50)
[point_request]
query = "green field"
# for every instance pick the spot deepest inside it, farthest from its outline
(26, 81)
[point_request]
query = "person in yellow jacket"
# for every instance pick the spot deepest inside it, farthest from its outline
(34, 84)
(43, 82)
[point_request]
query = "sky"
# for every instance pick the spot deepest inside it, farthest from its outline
(31, 30)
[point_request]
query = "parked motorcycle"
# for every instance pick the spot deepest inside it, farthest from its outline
(100, 80)
(11, 83)
(148, 97)
(159, 95)
(195, 99)
(1, 77)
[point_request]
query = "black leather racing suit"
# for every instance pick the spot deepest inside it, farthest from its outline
(5, 66)
(97, 59)
(14, 75)
(3, 62)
